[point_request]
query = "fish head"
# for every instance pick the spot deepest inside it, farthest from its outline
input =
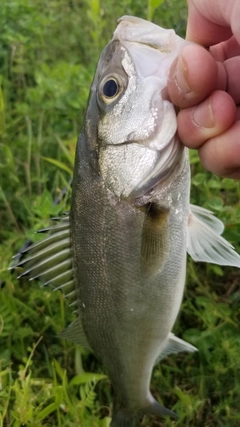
(138, 146)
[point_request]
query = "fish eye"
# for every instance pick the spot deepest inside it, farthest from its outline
(111, 88)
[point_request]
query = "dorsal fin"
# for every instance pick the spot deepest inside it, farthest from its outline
(50, 259)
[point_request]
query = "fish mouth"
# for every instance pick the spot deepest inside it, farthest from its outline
(139, 35)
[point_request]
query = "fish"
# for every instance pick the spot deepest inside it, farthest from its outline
(119, 254)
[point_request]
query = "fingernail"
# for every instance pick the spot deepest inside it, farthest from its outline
(203, 115)
(181, 75)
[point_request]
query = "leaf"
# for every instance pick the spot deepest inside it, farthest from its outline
(59, 164)
(228, 184)
(217, 270)
(46, 411)
(194, 157)
(60, 371)
(215, 183)
(67, 152)
(215, 203)
(199, 179)
(105, 422)
(90, 399)
(86, 377)
(155, 3)
(152, 5)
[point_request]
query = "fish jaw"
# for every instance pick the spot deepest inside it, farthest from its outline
(136, 30)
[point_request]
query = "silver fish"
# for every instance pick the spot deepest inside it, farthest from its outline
(120, 253)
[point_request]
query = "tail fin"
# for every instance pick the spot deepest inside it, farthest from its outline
(160, 411)
(122, 418)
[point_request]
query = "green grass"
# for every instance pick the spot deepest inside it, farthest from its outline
(48, 53)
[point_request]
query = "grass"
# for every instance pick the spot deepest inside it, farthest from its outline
(48, 53)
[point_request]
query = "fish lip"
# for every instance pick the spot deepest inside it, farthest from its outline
(134, 29)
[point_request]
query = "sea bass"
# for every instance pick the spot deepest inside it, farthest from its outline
(120, 253)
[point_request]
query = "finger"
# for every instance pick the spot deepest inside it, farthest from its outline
(225, 50)
(221, 80)
(203, 27)
(232, 67)
(189, 81)
(210, 22)
(210, 118)
(238, 113)
(221, 155)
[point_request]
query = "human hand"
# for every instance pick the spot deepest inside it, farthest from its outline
(206, 85)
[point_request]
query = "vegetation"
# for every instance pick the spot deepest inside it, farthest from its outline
(48, 52)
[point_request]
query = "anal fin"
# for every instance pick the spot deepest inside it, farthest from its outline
(175, 345)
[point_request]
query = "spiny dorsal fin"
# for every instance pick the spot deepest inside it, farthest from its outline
(50, 259)
(205, 242)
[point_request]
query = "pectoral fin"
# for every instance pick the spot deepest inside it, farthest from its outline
(154, 240)
(75, 332)
(205, 242)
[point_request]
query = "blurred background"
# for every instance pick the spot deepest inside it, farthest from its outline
(48, 53)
